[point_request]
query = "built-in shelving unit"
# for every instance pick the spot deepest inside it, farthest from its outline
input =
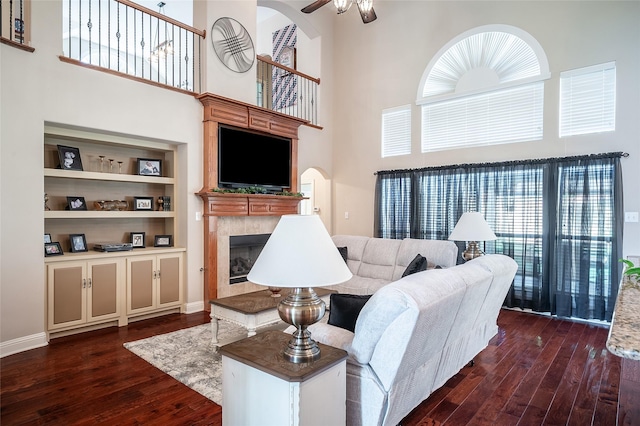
(90, 289)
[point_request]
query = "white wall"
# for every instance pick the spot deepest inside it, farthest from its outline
(382, 64)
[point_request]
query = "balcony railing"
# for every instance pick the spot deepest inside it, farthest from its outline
(285, 90)
(14, 23)
(123, 37)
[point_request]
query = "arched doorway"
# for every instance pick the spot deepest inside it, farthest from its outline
(316, 185)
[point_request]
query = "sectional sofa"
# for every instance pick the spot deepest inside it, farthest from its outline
(415, 332)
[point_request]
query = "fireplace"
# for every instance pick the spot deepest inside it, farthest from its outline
(243, 252)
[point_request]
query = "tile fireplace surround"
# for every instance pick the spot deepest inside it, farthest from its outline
(238, 225)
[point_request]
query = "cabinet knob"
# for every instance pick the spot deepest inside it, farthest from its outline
(158, 274)
(89, 282)
(84, 283)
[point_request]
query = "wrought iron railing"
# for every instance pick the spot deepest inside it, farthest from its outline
(15, 23)
(283, 89)
(123, 37)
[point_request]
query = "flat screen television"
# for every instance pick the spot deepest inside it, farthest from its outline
(247, 158)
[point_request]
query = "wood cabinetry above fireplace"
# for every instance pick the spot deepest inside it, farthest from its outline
(217, 205)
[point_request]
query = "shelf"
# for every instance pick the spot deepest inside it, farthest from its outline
(114, 177)
(93, 254)
(106, 214)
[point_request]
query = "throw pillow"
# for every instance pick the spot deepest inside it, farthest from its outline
(344, 310)
(418, 264)
(343, 252)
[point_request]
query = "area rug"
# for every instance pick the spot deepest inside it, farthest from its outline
(189, 357)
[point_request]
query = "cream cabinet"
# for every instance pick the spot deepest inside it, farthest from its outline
(154, 282)
(83, 292)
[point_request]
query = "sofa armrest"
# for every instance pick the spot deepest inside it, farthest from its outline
(329, 335)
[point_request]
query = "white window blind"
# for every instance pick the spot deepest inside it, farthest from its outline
(495, 117)
(588, 100)
(396, 131)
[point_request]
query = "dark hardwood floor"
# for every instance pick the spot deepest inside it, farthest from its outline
(537, 370)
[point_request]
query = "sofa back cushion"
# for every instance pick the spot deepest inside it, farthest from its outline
(355, 245)
(438, 253)
(379, 258)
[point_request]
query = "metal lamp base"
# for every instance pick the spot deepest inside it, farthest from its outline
(472, 251)
(301, 308)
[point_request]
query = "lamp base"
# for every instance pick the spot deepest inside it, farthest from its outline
(472, 251)
(301, 308)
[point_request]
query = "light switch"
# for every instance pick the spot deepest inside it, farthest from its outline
(346, 215)
(198, 216)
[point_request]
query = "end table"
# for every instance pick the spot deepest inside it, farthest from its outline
(260, 387)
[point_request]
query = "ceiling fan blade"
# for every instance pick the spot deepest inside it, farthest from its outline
(314, 6)
(367, 17)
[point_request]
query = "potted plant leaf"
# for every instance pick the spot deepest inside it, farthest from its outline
(631, 272)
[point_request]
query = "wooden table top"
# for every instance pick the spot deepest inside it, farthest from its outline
(257, 301)
(265, 351)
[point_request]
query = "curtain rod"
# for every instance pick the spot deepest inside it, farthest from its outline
(511, 163)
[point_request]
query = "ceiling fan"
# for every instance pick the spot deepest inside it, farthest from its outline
(364, 6)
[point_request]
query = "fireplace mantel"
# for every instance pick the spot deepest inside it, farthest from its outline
(232, 204)
(220, 110)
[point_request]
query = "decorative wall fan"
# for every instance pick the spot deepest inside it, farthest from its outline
(364, 6)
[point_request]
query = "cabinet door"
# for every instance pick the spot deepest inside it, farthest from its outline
(141, 288)
(103, 295)
(66, 287)
(169, 279)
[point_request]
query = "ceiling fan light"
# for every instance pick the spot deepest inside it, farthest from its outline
(365, 5)
(342, 5)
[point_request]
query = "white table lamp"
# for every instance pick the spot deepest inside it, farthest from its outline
(300, 255)
(472, 227)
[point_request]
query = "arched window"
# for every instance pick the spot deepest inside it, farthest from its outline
(484, 87)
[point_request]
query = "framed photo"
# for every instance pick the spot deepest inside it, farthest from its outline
(137, 239)
(149, 167)
(53, 249)
(69, 158)
(78, 243)
(163, 241)
(287, 57)
(143, 203)
(47, 238)
(76, 203)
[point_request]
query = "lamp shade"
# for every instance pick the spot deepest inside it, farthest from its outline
(472, 227)
(299, 253)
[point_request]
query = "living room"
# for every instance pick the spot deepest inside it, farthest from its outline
(364, 70)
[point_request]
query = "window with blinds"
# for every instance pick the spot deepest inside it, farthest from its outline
(588, 100)
(496, 117)
(485, 88)
(396, 131)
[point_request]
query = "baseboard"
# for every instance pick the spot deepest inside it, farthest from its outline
(22, 344)
(190, 308)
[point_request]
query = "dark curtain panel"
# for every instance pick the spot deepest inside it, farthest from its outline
(559, 219)
(587, 244)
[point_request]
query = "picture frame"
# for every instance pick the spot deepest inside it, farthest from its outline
(149, 167)
(53, 249)
(137, 239)
(47, 238)
(69, 158)
(163, 241)
(287, 57)
(76, 203)
(143, 203)
(78, 243)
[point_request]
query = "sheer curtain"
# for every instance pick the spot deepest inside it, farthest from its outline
(559, 219)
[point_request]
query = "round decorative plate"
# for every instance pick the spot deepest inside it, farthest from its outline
(232, 44)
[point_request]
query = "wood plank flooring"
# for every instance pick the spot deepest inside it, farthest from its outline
(536, 371)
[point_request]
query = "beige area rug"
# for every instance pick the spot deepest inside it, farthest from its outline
(189, 357)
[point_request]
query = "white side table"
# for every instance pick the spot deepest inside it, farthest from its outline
(261, 388)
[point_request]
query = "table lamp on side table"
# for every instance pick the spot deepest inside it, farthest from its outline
(472, 227)
(300, 255)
